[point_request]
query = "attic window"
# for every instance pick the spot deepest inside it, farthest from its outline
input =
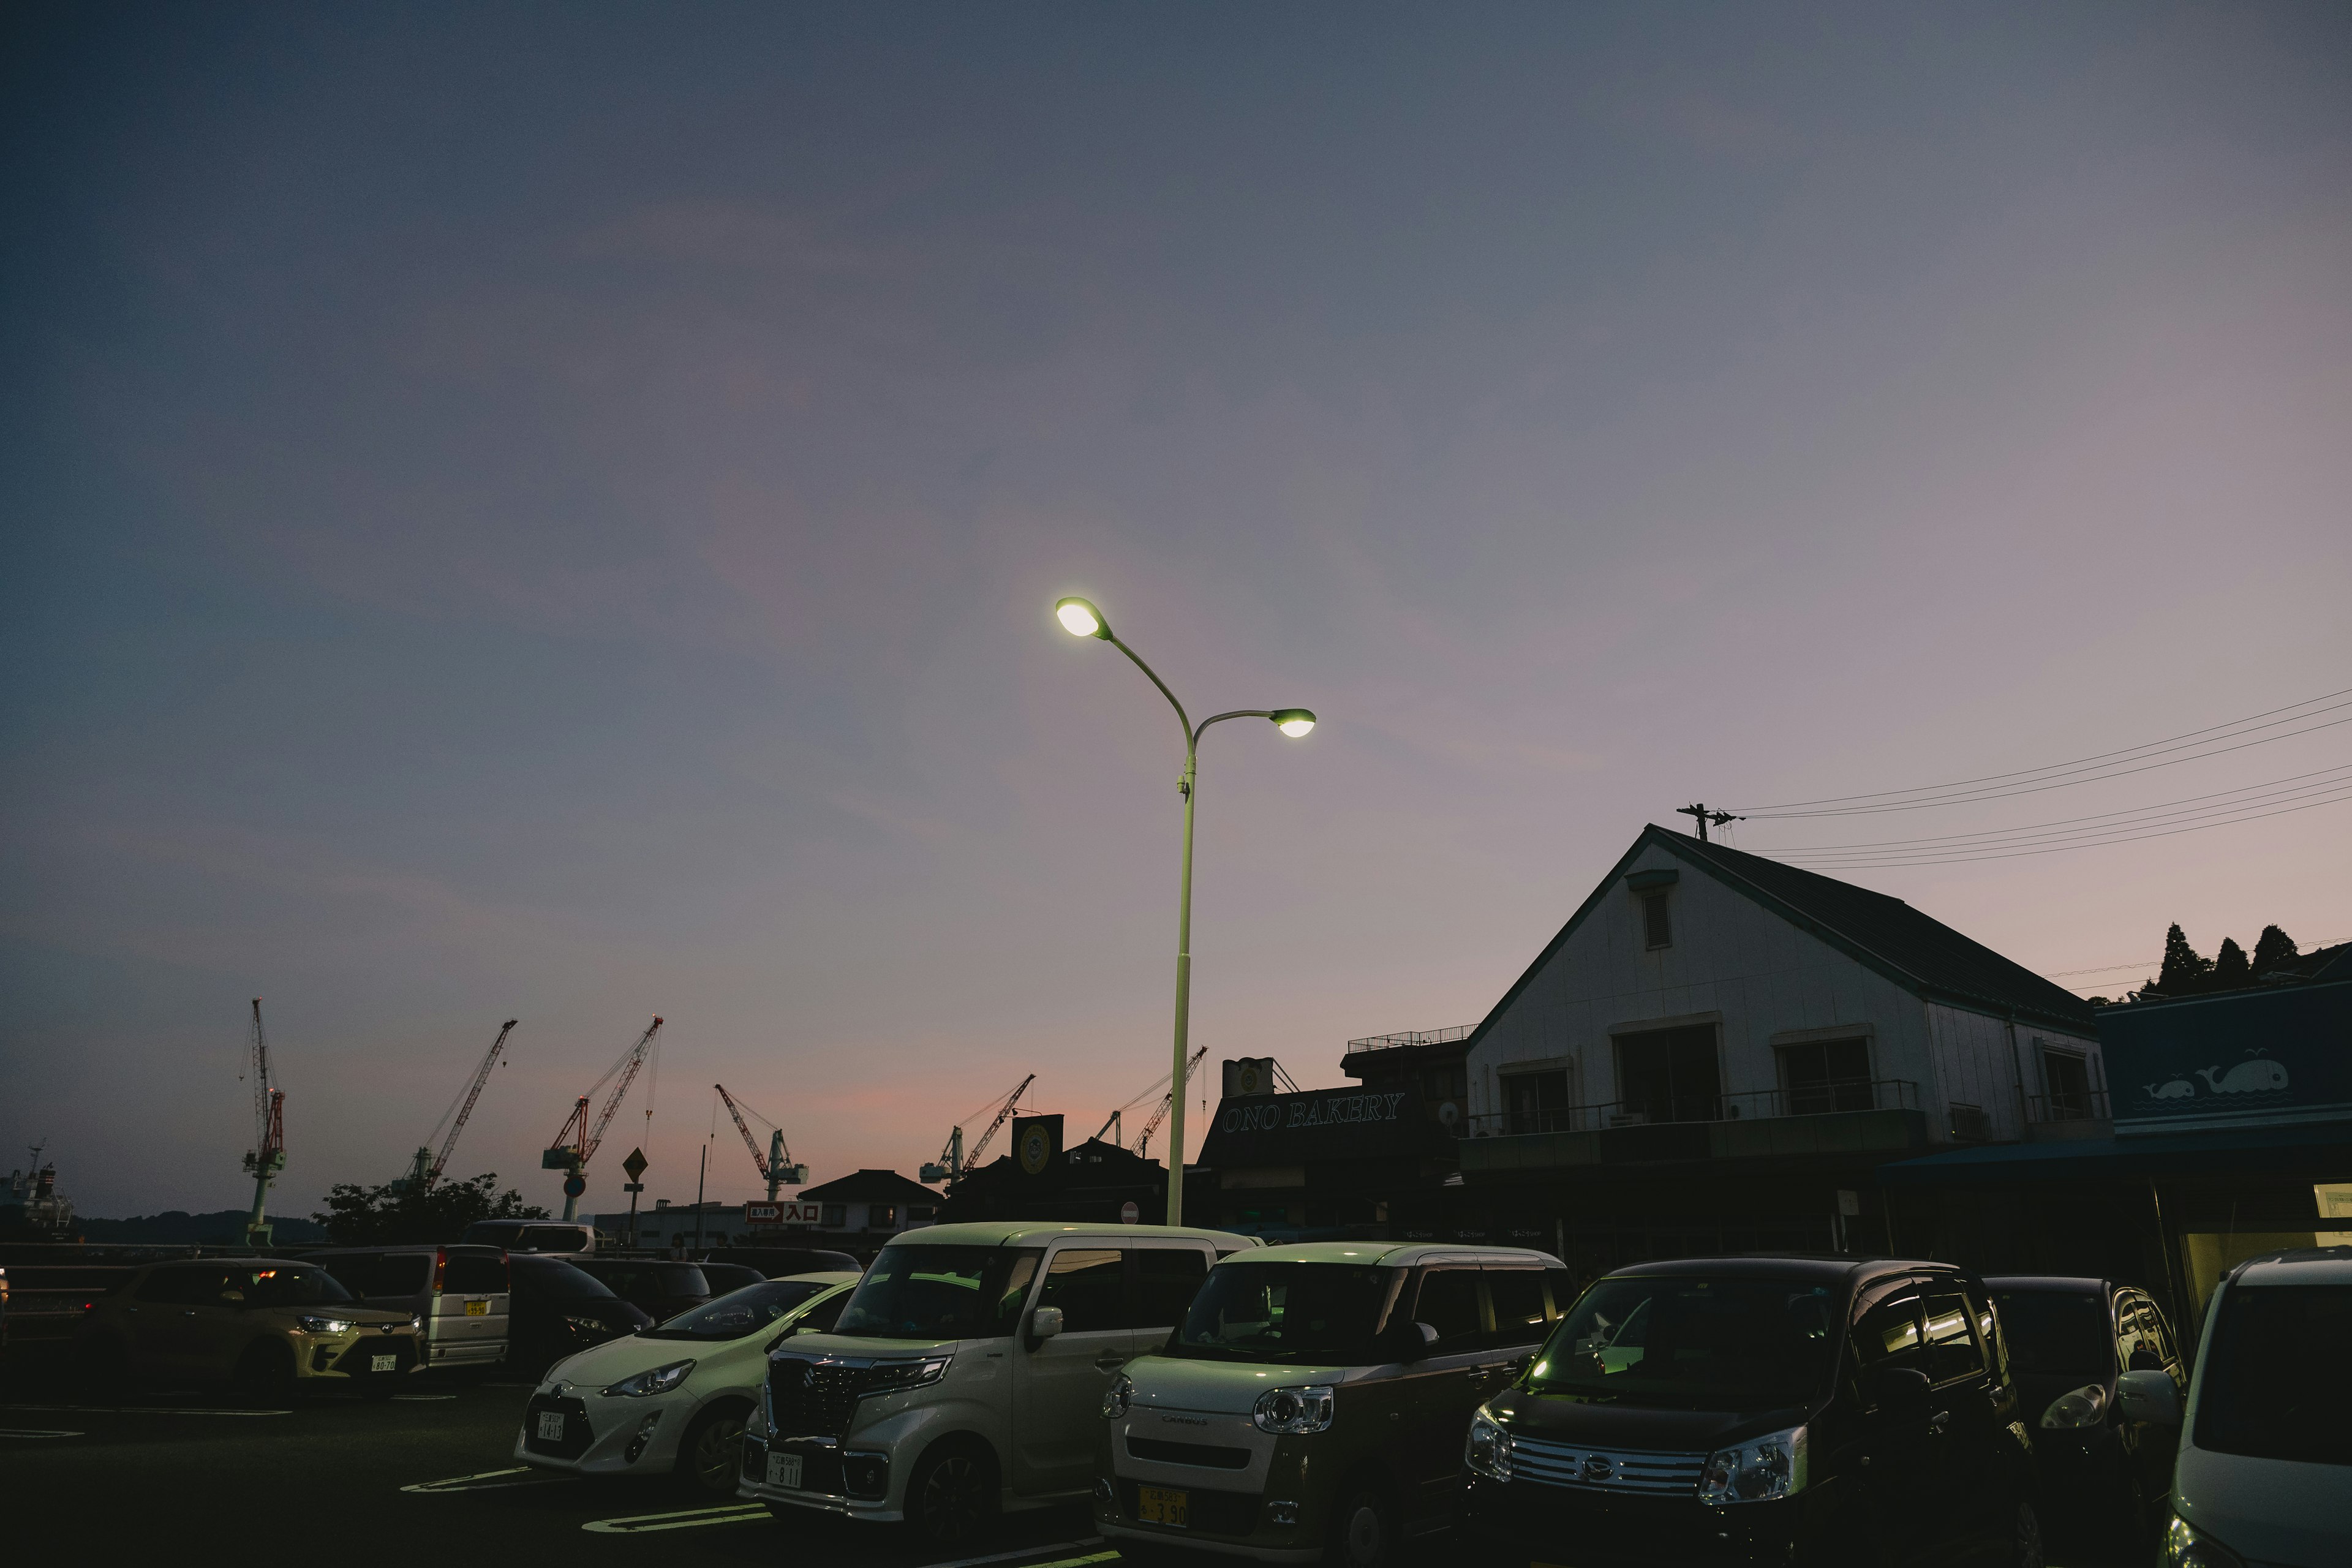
(1657, 922)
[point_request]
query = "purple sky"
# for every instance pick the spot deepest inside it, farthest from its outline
(513, 512)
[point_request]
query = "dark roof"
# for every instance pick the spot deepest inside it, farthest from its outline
(1923, 955)
(1810, 1265)
(868, 1187)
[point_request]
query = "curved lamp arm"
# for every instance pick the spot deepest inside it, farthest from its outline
(1190, 734)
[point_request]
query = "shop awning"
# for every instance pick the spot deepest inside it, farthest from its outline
(2321, 1148)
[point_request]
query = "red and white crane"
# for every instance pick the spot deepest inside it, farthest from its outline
(267, 1155)
(955, 1159)
(1143, 1144)
(426, 1168)
(776, 1166)
(576, 1143)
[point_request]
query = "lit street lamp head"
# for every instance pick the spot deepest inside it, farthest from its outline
(1292, 722)
(1081, 619)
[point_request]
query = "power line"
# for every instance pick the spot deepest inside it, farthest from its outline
(2142, 963)
(2210, 729)
(2087, 843)
(1895, 849)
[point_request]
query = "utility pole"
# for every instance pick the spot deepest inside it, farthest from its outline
(698, 1176)
(1700, 814)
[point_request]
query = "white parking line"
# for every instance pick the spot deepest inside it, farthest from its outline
(1034, 1550)
(684, 1518)
(419, 1398)
(137, 1410)
(486, 1481)
(33, 1432)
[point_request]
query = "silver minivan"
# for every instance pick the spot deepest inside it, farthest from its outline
(966, 1373)
(459, 1292)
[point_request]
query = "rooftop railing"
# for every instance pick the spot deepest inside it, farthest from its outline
(2067, 1105)
(1809, 1100)
(1411, 1037)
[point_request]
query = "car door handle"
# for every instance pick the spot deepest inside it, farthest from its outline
(1110, 1363)
(190, 1313)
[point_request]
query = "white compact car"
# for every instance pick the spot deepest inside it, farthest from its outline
(672, 1399)
(967, 1373)
(2264, 1473)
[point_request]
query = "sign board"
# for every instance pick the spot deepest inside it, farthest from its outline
(1266, 1129)
(2278, 1055)
(1249, 1075)
(790, 1212)
(635, 1164)
(574, 1185)
(1036, 1141)
(1128, 1214)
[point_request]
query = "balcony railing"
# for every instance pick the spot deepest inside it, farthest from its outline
(1812, 1099)
(1411, 1037)
(2067, 1105)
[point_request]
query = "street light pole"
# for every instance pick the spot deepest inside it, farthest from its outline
(1082, 619)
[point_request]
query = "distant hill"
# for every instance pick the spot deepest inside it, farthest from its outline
(177, 1226)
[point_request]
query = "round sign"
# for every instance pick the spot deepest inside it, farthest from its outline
(574, 1185)
(1246, 1079)
(1035, 1150)
(1128, 1214)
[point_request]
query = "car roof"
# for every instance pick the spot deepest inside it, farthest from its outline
(473, 1246)
(1802, 1266)
(2298, 1266)
(1010, 1233)
(1395, 1255)
(2055, 1284)
(829, 1276)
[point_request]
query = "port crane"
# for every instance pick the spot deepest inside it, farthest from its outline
(575, 1145)
(776, 1166)
(267, 1155)
(955, 1159)
(427, 1166)
(1115, 1123)
(1143, 1144)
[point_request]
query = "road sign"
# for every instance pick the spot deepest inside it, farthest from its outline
(574, 1185)
(633, 1186)
(1128, 1214)
(783, 1214)
(635, 1164)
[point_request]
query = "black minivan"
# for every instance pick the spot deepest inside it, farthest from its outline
(1810, 1410)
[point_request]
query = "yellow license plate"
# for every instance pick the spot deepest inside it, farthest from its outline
(1159, 1505)
(478, 1308)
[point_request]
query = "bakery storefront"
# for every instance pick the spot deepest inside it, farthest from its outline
(1340, 1164)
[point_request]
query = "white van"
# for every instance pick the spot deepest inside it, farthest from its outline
(2264, 1473)
(966, 1375)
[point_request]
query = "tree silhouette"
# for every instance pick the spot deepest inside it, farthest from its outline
(2230, 970)
(2272, 948)
(398, 1212)
(2184, 971)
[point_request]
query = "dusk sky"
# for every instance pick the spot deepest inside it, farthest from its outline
(553, 512)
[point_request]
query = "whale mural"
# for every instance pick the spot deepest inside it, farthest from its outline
(2271, 1055)
(2179, 1089)
(2257, 1076)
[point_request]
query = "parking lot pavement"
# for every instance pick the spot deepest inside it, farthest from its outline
(426, 1477)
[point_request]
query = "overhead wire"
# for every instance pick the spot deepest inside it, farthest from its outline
(2013, 854)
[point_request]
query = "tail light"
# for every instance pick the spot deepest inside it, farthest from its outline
(440, 1268)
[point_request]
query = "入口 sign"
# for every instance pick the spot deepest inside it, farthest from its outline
(789, 1212)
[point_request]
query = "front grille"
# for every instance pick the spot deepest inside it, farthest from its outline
(812, 1398)
(1205, 1513)
(577, 1434)
(1189, 1454)
(1603, 1469)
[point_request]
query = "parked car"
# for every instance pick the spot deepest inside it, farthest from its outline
(2264, 1474)
(459, 1292)
(966, 1372)
(556, 1309)
(658, 1287)
(673, 1398)
(534, 1235)
(266, 1326)
(2069, 1341)
(1312, 1404)
(1822, 1411)
(782, 1262)
(727, 1278)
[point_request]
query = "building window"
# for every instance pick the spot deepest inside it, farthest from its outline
(1537, 1101)
(882, 1216)
(1657, 922)
(1827, 1075)
(921, 1213)
(1670, 1075)
(2066, 1076)
(836, 1216)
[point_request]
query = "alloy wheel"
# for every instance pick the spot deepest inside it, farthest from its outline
(953, 1500)
(717, 1451)
(2028, 1537)
(1364, 1541)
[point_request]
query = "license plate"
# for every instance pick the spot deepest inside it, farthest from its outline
(551, 1426)
(785, 1470)
(1159, 1505)
(478, 1308)
(383, 1363)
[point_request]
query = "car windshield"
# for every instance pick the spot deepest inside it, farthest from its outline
(2277, 1380)
(745, 1311)
(916, 1292)
(1298, 1312)
(279, 1286)
(551, 1276)
(1687, 1343)
(2054, 1331)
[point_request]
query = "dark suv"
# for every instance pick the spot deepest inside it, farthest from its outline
(1812, 1410)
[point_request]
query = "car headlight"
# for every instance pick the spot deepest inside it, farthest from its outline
(416, 1322)
(1755, 1471)
(891, 1376)
(1287, 1412)
(1488, 1452)
(660, 1380)
(318, 1323)
(1118, 1397)
(2186, 1547)
(589, 1327)
(2077, 1408)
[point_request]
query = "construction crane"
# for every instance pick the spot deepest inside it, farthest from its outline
(267, 1155)
(776, 1167)
(954, 1160)
(1115, 1121)
(427, 1166)
(1143, 1144)
(576, 1143)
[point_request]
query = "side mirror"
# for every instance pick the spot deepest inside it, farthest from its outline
(1409, 1342)
(1897, 1390)
(2149, 1396)
(1044, 1324)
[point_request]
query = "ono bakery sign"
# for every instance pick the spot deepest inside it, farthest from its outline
(1253, 1129)
(1264, 1113)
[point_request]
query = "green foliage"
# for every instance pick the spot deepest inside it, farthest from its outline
(399, 1212)
(2272, 948)
(2230, 970)
(2184, 972)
